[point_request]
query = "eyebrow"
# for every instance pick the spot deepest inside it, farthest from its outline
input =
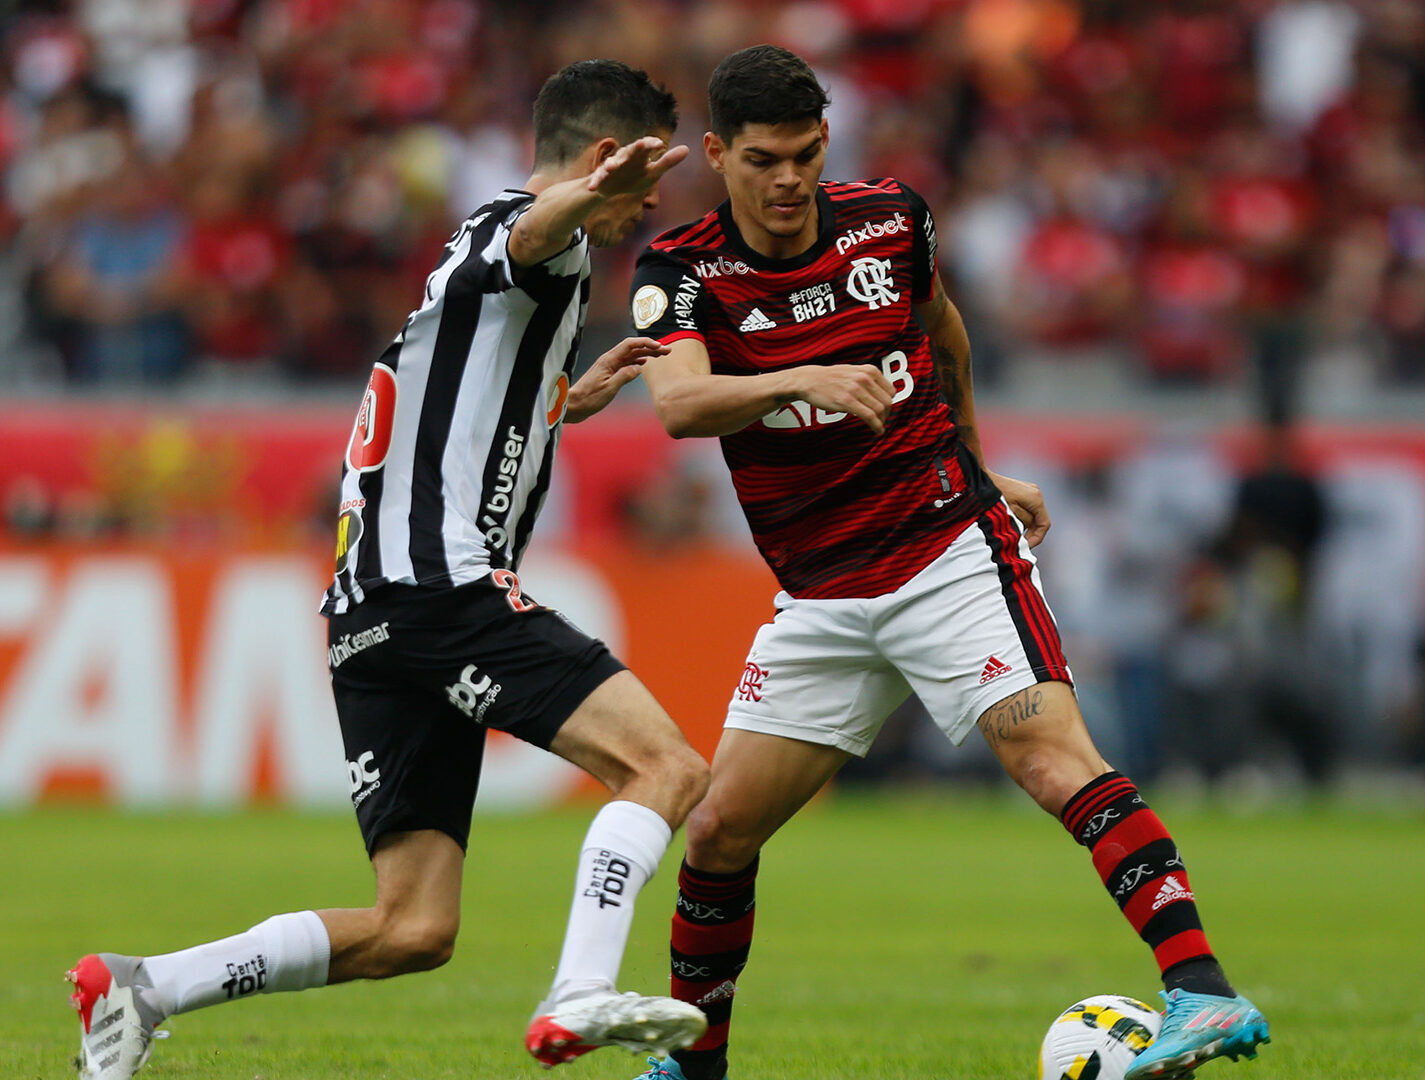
(812, 145)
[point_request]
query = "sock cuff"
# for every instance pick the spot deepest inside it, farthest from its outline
(709, 886)
(633, 831)
(1092, 799)
(301, 946)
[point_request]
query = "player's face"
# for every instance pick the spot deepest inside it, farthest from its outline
(620, 215)
(772, 172)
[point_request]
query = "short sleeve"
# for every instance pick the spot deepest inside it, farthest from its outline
(666, 301)
(923, 247)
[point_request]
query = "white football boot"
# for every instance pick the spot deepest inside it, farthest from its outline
(117, 1019)
(647, 1025)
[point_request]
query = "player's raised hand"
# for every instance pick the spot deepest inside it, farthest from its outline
(635, 166)
(1027, 502)
(859, 389)
(609, 374)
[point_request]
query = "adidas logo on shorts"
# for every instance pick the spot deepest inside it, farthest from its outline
(994, 668)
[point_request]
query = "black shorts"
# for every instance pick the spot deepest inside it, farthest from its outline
(420, 674)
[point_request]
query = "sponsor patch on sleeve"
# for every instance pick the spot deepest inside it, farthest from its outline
(649, 304)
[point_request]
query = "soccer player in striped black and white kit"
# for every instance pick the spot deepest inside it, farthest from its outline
(810, 332)
(432, 639)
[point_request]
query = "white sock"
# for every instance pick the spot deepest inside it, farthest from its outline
(622, 849)
(285, 952)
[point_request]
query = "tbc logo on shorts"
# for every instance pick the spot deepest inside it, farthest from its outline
(364, 777)
(474, 693)
(749, 688)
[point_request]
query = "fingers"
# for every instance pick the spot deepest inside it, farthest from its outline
(633, 351)
(1032, 512)
(633, 165)
(668, 160)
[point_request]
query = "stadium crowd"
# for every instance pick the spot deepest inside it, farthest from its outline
(231, 196)
(1176, 191)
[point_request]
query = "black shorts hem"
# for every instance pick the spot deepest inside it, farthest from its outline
(408, 822)
(602, 666)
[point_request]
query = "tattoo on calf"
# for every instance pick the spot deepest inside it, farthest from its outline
(1000, 720)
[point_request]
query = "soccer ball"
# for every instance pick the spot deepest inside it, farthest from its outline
(1097, 1038)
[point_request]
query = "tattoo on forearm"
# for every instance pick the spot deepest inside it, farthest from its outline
(1000, 720)
(954, 374)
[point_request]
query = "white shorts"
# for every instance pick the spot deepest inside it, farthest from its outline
(969, 630)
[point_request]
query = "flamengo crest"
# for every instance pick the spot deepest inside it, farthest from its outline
(870, 282)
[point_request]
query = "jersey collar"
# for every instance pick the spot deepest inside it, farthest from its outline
(826, 228)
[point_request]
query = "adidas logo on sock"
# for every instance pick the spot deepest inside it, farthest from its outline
(1171, 889)
(994, 668)
(720, 992)
(756, 321)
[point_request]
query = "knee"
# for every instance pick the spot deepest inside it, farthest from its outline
(418, 943)
(721, 842)
(1051, 776)
(689, 776)
(670, 782)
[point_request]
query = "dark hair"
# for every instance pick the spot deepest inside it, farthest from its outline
(594, 99)
(764, 84)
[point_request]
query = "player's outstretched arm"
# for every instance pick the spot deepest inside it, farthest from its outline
(693, 402)
(609, 374)
(546, 228)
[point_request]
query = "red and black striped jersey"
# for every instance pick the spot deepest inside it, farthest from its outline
(835, 510)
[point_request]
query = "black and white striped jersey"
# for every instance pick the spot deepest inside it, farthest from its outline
(449, 459)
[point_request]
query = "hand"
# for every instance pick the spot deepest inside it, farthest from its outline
(1027, 502)
(634, 167)
(859, 389)
(609, 374)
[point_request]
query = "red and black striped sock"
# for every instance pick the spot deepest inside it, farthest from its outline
(712, 934)
(1140, 866)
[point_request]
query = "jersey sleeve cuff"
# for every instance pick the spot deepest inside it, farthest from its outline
(679, 335)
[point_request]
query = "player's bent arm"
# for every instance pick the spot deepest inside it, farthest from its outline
(546, 228)
(691, 401)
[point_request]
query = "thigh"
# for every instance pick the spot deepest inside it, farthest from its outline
(619, 730)
(412, 763)
(813, 675)
(420, 675)
(758, 782)
(497, 658)
(973, 627)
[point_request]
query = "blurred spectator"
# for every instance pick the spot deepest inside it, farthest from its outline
(1160, 188)
(111, 293)
(1246, 614)
(232, 272)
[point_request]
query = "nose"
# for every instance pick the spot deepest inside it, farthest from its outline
(786, 176)
(650, 198)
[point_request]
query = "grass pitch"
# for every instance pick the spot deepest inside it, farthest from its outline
(899, 938)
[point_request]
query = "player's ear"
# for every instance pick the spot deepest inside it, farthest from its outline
(824, 131)
(715, 151)
(601, 151)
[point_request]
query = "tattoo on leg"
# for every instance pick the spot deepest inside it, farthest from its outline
(1000, 720)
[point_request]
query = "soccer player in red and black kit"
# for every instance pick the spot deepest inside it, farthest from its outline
(809, 330)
